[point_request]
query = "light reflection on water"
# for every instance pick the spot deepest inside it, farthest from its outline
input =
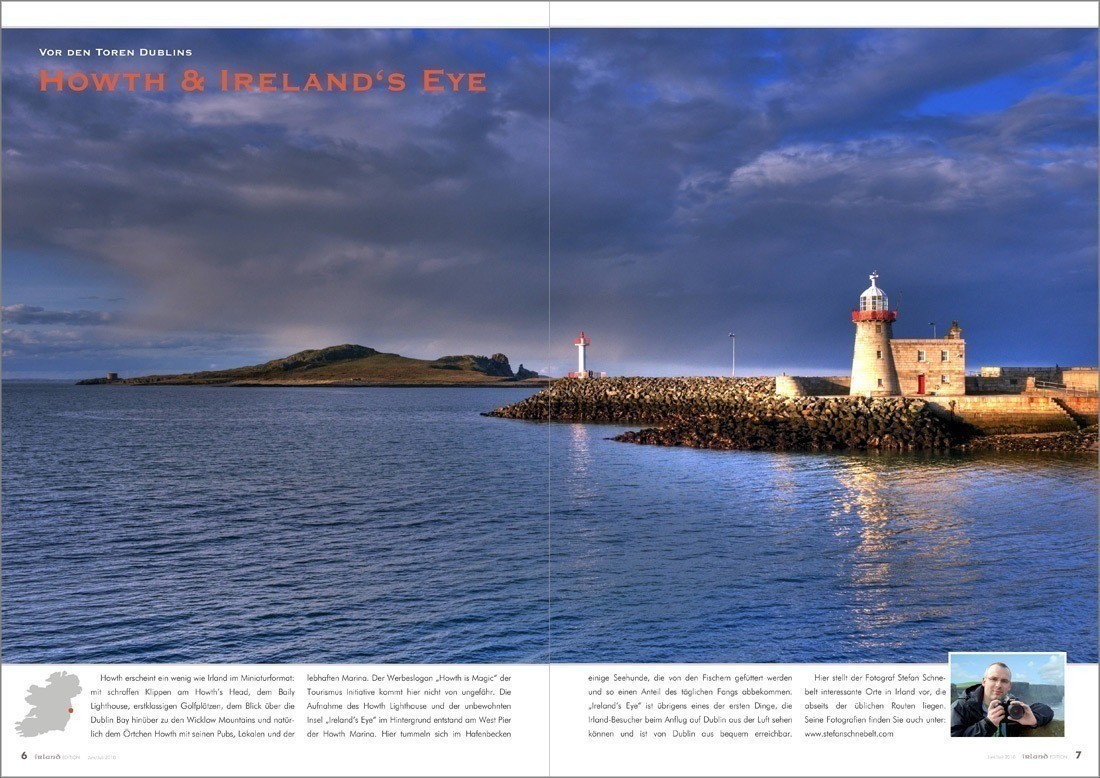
(693, 555)
(896, 545)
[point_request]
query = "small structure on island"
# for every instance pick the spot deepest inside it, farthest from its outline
(112, 376)
(885, 366)
(582, 342)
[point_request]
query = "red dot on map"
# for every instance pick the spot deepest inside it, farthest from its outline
(70, 710)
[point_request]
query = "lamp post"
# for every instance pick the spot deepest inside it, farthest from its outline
(733, 355)
(932, 324)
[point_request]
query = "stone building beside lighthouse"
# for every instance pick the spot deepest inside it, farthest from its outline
(885, 366)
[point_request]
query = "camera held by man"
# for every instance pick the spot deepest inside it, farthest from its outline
(988, 710)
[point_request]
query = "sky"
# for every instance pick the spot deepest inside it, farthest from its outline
(658, 189)
(1033, 668)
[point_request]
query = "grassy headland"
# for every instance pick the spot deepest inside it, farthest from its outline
(351, 365)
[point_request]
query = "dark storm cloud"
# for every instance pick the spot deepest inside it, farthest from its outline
(750, 180)
(132, 350)
(410, 221)
(33, 314)
(853, 81)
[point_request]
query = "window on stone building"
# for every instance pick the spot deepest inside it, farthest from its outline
(878, 328)
(943, 380)
(878, 355)
(921, 356)
(943, 356)
(880, 382)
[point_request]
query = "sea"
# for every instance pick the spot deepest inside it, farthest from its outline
(377, 525)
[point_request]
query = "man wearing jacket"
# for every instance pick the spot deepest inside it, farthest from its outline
(981, 714)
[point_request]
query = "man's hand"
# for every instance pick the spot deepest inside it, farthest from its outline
(1028, 719)
(997, 713)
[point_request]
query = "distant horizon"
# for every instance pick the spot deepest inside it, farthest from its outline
(649, 369)
(749, 371)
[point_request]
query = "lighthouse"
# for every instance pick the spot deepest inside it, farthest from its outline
(582, 342)
(873, 370)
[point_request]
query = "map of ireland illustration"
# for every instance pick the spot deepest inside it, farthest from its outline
(51, 705)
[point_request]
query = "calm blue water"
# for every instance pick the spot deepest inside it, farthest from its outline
(206, 524)
(674, 554)
(198, 524)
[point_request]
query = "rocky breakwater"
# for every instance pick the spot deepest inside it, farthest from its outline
(637, 400)
(740, 413)
(1057, 442)
(811, 424)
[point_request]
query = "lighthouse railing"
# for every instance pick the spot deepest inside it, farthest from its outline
(1061, 390)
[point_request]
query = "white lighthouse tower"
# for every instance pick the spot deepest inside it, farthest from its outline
(873, 371)
(582, 342)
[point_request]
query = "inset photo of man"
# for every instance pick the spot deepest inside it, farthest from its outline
(1008, 695)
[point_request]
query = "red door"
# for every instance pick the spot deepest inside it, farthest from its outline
(920, 384)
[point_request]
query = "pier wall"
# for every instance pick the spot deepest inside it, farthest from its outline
(1084, 410)
(1018, 380)
(1003, 414)
(812, 386)
(1086, 406)
(1083, 378)
(987, 384)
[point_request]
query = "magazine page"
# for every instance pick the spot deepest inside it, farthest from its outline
(549, 389)
(260, 285)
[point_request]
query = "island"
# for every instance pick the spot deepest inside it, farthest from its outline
(349, 365)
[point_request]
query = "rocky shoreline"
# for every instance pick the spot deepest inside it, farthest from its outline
(1069, 442)
(746, 414)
